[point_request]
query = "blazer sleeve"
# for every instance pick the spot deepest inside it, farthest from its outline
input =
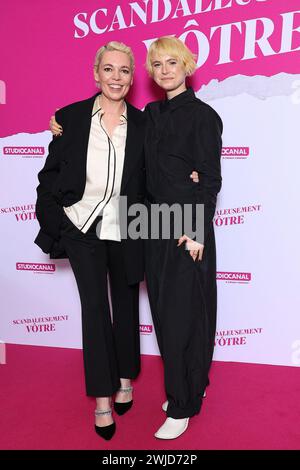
(208, 146)
(48, 211)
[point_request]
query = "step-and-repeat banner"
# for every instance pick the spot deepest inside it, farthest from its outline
(249, 71)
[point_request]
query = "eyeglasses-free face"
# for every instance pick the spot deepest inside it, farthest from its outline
(169, 74)
(114, 75)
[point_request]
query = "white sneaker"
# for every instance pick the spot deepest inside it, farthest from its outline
(166, 403)
(172, 428)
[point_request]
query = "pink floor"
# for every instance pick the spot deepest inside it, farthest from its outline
(43, 406)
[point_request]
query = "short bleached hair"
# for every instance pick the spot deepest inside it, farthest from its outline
(114, 46)
(173, 47)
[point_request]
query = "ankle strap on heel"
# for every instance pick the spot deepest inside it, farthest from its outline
(102, 412)
(125, 389)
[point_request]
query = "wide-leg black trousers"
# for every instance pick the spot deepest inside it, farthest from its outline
(182, 295)
(111, 348)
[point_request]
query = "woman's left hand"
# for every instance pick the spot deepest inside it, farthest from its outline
(195, 176)
(195, 248)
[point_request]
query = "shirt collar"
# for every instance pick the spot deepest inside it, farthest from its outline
(178, 100)
(100, 111)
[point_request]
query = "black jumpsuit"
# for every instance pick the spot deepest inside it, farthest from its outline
(183, 134)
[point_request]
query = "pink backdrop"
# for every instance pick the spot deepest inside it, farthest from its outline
(45, 67)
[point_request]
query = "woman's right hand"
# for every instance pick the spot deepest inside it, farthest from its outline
(55, 128)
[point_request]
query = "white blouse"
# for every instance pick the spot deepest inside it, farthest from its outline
(105, 161)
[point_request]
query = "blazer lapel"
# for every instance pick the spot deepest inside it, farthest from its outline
(84, 124)
(133, 147)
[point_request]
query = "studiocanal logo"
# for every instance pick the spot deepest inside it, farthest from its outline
(235, 153)
(41, 268)
(234, 277)
(24, 152)
(146, 329)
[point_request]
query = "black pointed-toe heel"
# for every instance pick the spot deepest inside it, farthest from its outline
(106, 432)
(122, 408)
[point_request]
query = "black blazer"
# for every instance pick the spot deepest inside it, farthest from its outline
(63, 178)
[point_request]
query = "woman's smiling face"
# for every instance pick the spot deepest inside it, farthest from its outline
(114, 75)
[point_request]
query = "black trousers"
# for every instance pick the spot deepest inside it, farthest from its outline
(111, 348)
(182, 295)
